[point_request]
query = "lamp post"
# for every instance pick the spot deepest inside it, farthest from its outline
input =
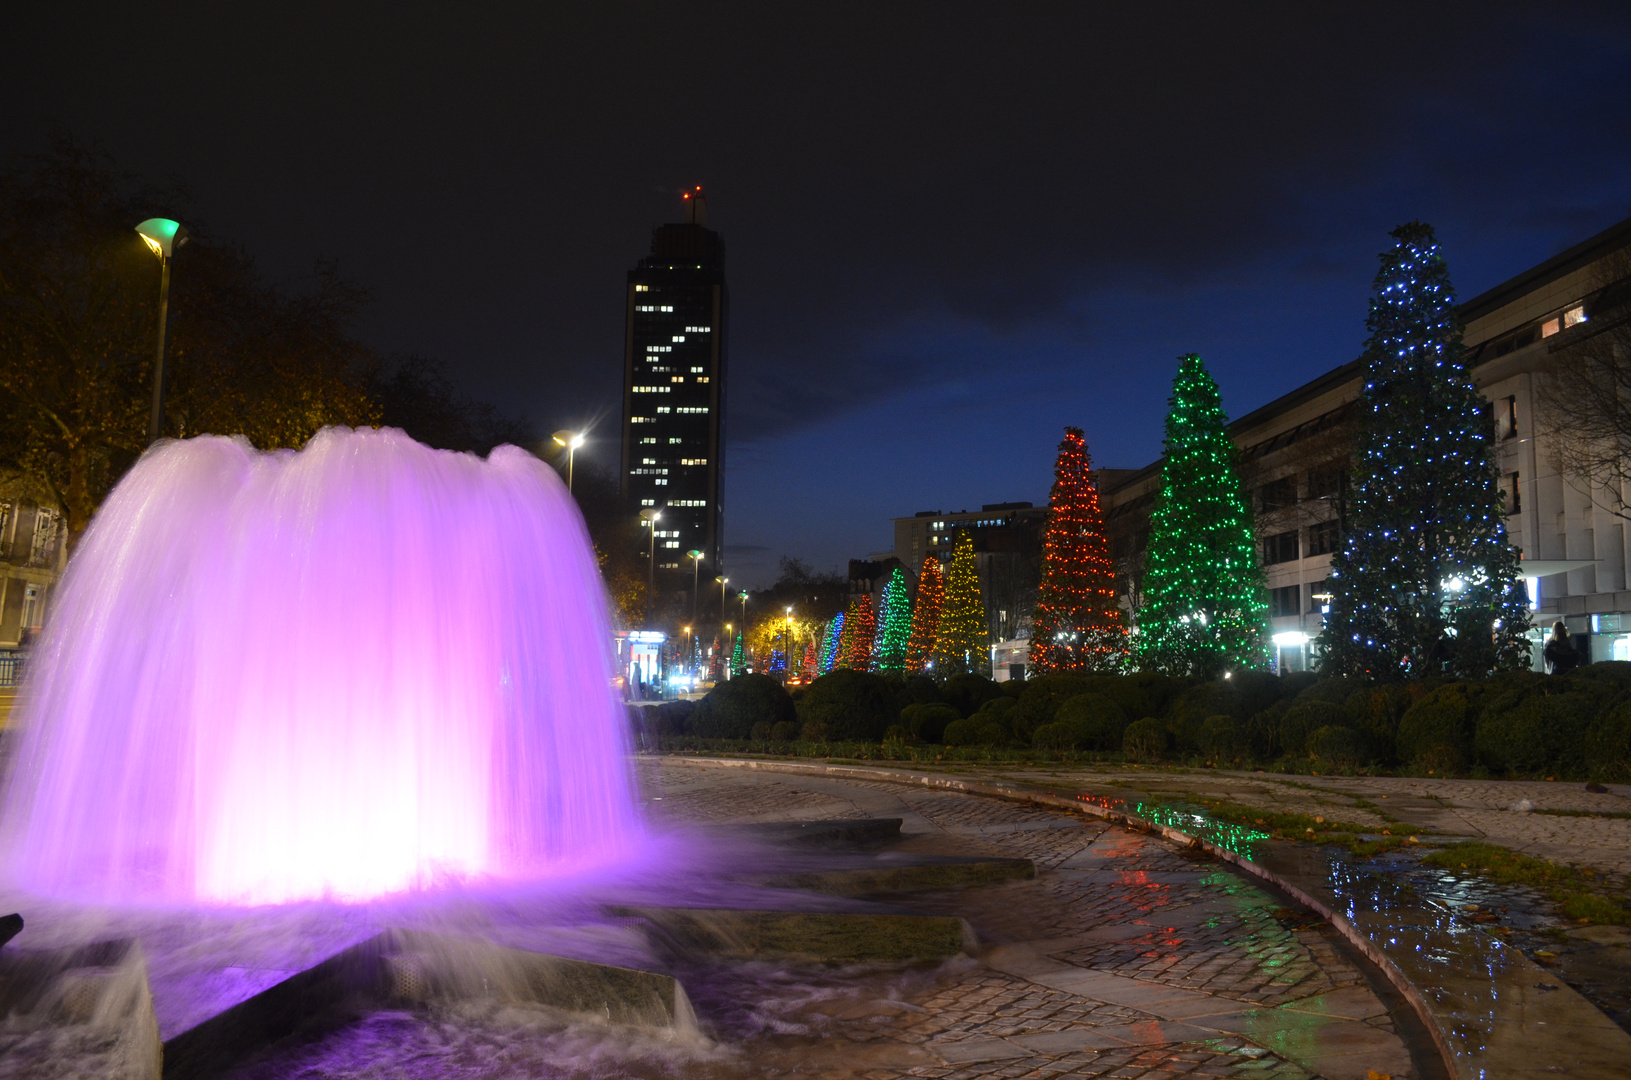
(689, 663)
(788, 640)
(744, 599)
(729, 651)
(163, 237)
(651, 516)
(723, 581)
(696, 564)
(571, 440)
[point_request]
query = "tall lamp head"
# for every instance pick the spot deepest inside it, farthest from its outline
(162, 236)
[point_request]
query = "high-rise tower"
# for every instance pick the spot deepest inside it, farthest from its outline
(674, 387)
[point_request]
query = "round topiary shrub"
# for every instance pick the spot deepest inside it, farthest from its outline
(856, 706)
(1543, 733)
(1336, 746)
(814, 731)
(963, 731)
(1040, 700)
(1608, 746)
(1222, 738)
(928, 722)
(761, 731)
(732, 708)
(1303, 719)
(1093, 721)
(966, 693)
(784, 731)
(1145, 740)
(1434, 733)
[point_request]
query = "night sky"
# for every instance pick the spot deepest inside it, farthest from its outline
(952, 229)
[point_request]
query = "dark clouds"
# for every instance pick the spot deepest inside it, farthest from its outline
(952, 228)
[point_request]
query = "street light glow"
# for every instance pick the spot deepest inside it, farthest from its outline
(162, 236)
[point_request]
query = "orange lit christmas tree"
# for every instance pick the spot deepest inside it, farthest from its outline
(925, 617)
(865, 627)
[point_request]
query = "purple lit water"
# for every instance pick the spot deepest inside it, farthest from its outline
(358, 669)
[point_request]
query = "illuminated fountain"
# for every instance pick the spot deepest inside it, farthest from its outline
(359, 669)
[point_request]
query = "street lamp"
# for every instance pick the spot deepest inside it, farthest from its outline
(723, 581)
(689, 665)
(651, 516)
(162, 236)
(696, 562)
(571, 440)
(729, 651)
(744, 598)
(788, 642)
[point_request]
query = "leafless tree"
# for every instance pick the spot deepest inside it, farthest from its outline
(1584, 394)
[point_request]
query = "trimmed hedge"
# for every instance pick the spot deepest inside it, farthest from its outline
(1515, 724)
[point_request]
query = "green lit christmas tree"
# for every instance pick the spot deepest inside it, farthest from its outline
(961, 644)
(738, 662)
(1078, 624)
(1205, 608)
(894, 625)
(1425, 581)
(925, 616)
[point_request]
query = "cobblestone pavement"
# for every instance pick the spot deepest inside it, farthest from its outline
(1586, 833)
(1126, 957)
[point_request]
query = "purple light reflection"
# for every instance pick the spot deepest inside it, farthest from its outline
(365, 667)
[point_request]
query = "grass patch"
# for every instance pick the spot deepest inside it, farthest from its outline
(1359, 839)
(1577, 894)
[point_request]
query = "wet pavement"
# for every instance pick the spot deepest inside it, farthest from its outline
(1496, 971)
(1126, 956)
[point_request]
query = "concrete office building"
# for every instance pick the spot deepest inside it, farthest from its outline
(1295, 452)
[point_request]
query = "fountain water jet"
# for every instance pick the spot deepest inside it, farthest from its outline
(343, 672)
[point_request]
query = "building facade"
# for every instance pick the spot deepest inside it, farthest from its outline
(1295, 453)
(674, 389)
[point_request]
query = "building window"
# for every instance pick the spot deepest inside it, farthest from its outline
(641, 420)
(1323, 538)
(652, 389)
(686, 409)
(1277, 494)
(1286, 601)
(1280, 548)
(1326, 482)
(693, 461)
(1514, 495)
(1574, 315)
(648, 502)
(642, 288)
(1506, 418)
(1319, 597)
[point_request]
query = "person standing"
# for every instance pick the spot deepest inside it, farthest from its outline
(1561, 655)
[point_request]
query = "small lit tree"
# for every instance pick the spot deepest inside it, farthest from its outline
(861, 627)
(925, 616)
(961, 645)
(894, 625)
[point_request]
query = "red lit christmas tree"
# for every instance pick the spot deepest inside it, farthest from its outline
(1078, 624)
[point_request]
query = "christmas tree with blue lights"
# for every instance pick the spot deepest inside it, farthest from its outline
(1205, 609)
(830, 644)
(1077, 626)
(1425, 582)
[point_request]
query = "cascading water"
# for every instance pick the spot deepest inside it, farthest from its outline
(365, 667)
